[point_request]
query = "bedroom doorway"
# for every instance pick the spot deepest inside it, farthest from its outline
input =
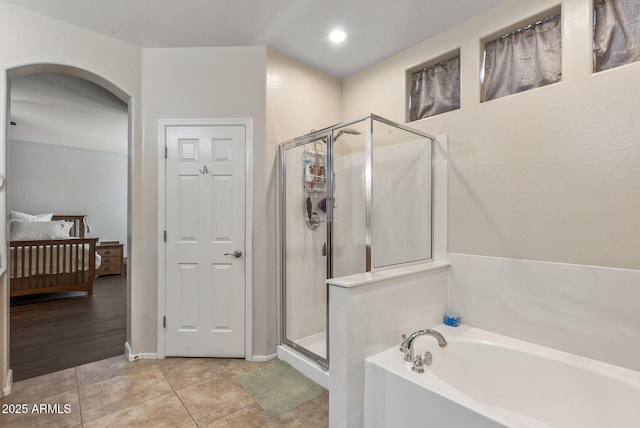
(94, 178)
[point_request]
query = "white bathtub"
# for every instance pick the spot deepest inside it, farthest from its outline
(482, 379)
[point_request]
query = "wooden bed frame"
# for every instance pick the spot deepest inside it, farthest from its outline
(68, 252)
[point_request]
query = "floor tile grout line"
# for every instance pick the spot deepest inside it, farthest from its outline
(238, 411)
(175, 391)
(186, 408)
(306, 422)
(211, 422)
(79, 401)
(138, 403)
(198, 380)
(295, 410)
(201, 379)
(303, 418)
(40, 397)
(205, 379)
(132, 405)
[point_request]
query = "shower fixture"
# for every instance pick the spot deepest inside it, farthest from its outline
(349, 131)
(312, 219)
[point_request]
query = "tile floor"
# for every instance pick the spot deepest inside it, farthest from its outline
(174, 392)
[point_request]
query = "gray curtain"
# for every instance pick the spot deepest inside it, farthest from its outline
(435, 89)
(617, 33)
(525, 59)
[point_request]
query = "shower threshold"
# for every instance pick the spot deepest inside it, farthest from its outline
(309, 367)
(316, 343)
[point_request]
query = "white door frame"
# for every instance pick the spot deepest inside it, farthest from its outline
(162, 283)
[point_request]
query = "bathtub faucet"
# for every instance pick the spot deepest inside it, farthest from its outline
(407, 345)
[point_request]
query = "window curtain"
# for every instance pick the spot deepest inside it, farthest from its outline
(617, 33)
(525, 59)
(435, 89)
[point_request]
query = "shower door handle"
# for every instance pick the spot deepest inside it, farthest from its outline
(324, 248)
(237, 254)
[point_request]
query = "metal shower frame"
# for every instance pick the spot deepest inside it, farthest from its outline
(326, 134)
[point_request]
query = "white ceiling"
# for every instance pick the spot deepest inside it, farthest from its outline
(67, 111)
(376, 29)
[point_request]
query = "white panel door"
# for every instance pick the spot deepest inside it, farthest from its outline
(205, 222)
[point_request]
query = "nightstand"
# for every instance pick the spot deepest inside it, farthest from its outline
(111, 253)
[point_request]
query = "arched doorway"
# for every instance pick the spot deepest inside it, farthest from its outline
(40, 69)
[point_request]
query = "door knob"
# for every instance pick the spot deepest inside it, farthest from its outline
(236, 254)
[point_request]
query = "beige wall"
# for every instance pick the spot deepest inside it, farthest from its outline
(549, 174)
(27, 38)
(299, 98)
(189, 83)
(229, 82)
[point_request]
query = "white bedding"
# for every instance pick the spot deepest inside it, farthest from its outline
(45, 259)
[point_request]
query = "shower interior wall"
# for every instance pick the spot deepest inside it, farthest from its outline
(305, 272)
(401, 203)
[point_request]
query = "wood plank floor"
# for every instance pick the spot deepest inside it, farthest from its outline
(54, 335)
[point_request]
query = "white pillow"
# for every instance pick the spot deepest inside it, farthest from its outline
(27, 230)
(66, 228)
(17, 215)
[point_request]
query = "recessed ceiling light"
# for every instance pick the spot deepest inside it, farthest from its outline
(337, 36)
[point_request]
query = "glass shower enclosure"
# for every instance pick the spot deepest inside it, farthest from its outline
(352, 198)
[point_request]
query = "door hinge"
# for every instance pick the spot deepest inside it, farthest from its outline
(166, 152)
(165, 236)
(164, 321)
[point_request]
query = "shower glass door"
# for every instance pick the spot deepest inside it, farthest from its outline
(305, 253)
(347, 212)
(353, 198)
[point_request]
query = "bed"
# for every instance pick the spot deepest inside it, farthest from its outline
(52, 265)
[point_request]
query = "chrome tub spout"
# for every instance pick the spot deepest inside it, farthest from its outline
(407, 345)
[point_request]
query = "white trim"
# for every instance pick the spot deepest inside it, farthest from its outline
(305, 366)
(264, 358)
(128, 353)
(248, 242)
(7, 389)
(279, 270)
(162, 208)
(366, 278)
(248, 124)
(148, 356)
(439, 198)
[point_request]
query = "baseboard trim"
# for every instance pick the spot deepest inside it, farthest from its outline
(263, 358)
(128, 353)
(7, 389)
(148, 356)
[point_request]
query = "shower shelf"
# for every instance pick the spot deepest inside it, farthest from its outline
(315, 184)
(314, 160)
